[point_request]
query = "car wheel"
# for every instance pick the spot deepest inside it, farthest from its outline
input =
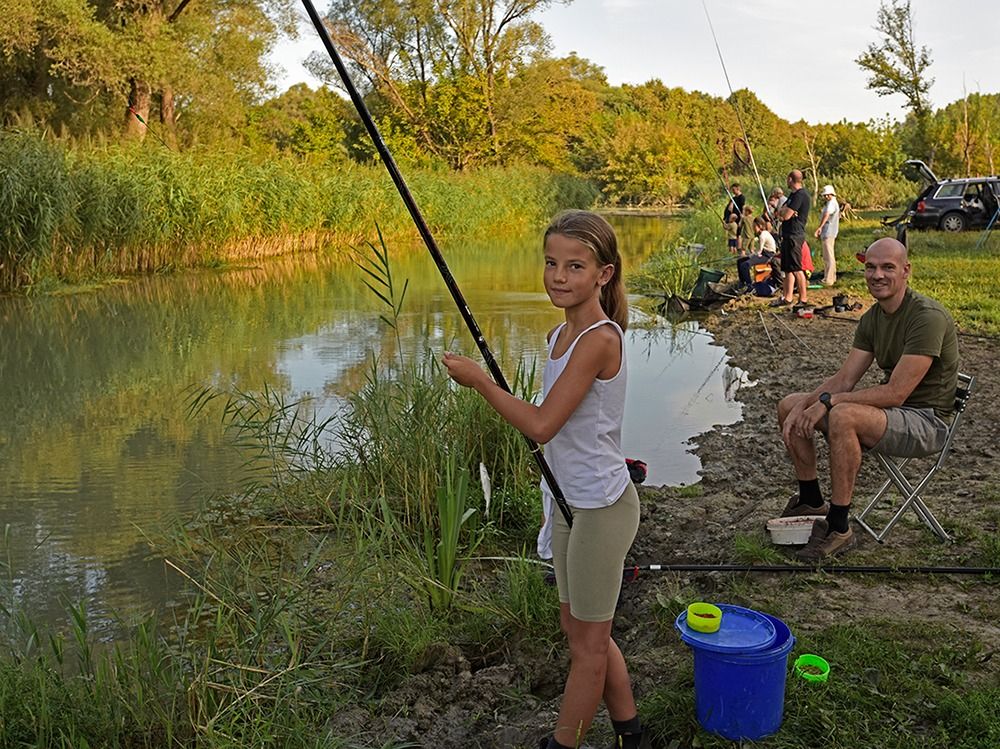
(953, 222)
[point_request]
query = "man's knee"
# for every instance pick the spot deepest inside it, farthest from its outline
(866, 424)
(786, 404)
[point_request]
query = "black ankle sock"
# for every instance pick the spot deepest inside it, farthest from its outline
(627, 726)
(810, 494)
(836, 518)
(628, 733)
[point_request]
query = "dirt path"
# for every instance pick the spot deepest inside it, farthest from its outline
(746, 479)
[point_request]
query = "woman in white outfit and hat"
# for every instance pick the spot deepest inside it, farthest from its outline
(829, 225)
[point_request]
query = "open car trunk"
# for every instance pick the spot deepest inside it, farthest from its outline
(916, 169)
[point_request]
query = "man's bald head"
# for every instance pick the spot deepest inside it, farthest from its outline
(887, 272)
(887, 247)
(794, 179)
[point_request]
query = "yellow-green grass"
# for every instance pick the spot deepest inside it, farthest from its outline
(74, 214)
(948, 267)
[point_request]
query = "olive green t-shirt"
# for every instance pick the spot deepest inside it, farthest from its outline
(923, 327)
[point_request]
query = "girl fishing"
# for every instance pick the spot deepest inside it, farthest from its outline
(579, 420)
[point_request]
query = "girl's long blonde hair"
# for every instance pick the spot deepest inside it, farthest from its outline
(595, 232)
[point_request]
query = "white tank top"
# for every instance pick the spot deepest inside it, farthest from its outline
(586, 455)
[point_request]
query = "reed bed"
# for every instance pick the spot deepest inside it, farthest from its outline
(73, 213)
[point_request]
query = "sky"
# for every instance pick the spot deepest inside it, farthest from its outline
(796, 55)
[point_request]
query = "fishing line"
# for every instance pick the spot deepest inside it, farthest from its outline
(769, 339)
(145, 124)
(425, 234)
(739, 119)
(785, 326)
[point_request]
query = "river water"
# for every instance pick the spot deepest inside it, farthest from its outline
(98, 453)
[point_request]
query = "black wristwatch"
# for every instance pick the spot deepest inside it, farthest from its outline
(824, 398)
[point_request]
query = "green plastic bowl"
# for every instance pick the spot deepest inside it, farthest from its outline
(704, 617)
(812, 668)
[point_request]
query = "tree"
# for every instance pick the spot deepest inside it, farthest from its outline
(897, 66)
(301, 121)
(546, 109)
(966, 131)
(77, 63)
(437, 71)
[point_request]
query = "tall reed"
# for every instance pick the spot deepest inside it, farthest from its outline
(78, 212)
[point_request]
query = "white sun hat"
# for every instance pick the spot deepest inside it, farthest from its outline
(828, 190)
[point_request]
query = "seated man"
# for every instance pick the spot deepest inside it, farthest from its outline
(914, 341)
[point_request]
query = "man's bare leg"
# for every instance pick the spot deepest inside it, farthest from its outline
(788, 287)
(852, 427)
(802, 450)
(800, 278)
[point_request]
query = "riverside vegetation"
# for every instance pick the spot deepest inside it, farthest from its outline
(319, 585)
(74, 214)
(329, 580)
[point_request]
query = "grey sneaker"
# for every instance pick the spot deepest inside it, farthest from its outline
(796, 508)
(821, 546)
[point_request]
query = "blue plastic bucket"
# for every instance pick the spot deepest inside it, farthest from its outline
(742, 695)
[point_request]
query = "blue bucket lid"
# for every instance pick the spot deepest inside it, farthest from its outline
(741, 631)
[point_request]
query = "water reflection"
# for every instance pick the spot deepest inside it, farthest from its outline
(97, 449)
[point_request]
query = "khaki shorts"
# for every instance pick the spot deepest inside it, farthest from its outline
(912, 433)
(589, 557)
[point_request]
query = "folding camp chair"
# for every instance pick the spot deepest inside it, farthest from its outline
(911, 494)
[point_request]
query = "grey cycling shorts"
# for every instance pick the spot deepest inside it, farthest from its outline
(912, 433)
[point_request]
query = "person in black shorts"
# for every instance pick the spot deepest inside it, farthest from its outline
(793, 214)
(735, 206)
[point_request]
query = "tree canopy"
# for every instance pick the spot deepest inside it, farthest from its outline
(77, 65)
(457, 84)
(897, 66)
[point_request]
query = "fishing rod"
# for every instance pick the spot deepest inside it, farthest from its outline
(425, 234)
(711, 164)
(739, 118)
(632, 572)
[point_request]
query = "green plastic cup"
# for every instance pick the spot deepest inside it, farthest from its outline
(812, 668)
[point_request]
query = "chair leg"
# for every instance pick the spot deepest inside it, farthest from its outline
(911, 498)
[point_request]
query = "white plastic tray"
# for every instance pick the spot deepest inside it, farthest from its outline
(791, 531)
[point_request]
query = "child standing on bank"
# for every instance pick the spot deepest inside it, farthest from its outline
(745, 240)
(579, 420)
(732, 225)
